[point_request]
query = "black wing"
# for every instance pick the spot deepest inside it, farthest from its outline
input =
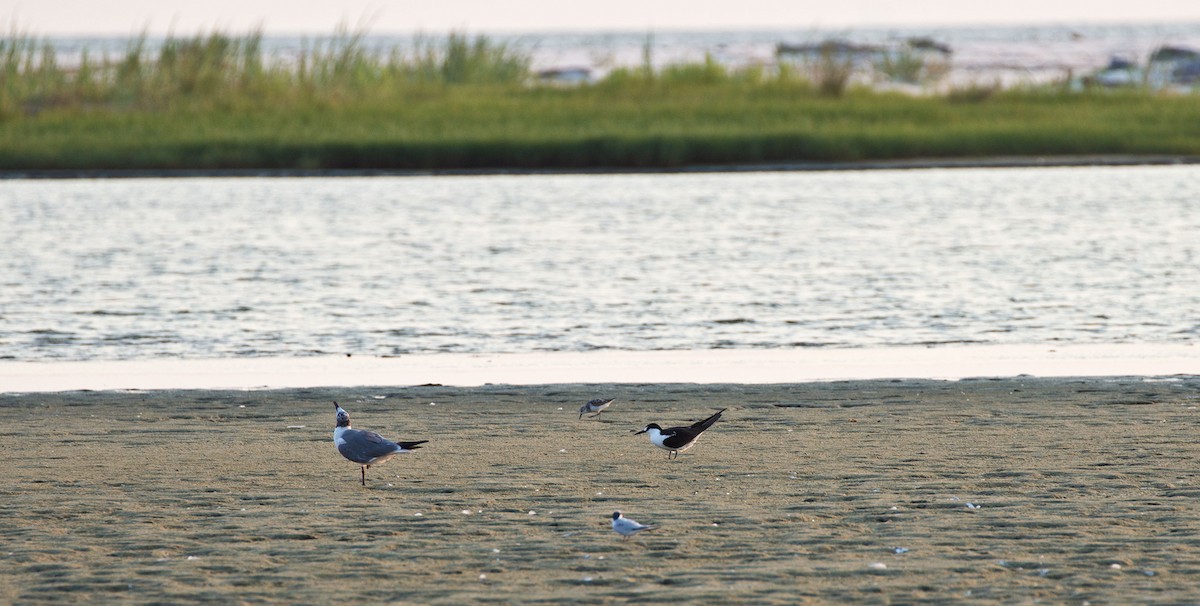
(706, 423)
(681, 436)
(678, 437)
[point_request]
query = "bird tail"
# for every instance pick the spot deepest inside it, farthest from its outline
(706, 423)
(411, 445)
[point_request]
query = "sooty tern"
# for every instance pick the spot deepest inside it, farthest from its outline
(678, 439)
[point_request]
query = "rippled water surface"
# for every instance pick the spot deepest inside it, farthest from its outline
(134, 269)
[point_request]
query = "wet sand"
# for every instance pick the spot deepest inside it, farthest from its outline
(755, 366)
(995, 490)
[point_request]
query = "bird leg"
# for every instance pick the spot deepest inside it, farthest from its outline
(363, 468)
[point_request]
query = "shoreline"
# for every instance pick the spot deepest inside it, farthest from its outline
(914, 164)
(715, 366)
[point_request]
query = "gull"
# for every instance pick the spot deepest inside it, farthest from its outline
(627, 527)
(597, 406)
(678, 439)
(366, 448)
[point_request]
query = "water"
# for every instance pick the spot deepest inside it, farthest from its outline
(209, 267)
(1009, 54)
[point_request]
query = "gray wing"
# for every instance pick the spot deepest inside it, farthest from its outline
(631, 526)
(365, 446)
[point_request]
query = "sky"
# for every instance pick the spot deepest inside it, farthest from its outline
(185, 17)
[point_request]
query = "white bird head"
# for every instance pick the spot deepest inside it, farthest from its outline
(343, 417)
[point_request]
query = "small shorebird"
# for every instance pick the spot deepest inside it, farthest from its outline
(597, 406)
(627, 527)
(366, 448)
(678, 439)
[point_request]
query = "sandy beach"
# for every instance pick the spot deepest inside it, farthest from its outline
(889, 491)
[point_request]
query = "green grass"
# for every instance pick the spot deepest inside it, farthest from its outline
(214, 102)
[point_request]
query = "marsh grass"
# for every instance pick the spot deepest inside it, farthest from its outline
(216, 101)
(910, 66)
(221, 69)
(973, 92)
(832, 71)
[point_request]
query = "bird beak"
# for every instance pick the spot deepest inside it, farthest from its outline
(637, 432)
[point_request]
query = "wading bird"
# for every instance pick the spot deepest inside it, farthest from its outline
(597, 406)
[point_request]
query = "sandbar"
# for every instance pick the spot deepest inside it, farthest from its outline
(976, 490)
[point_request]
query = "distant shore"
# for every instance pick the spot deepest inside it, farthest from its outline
(918, 164)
